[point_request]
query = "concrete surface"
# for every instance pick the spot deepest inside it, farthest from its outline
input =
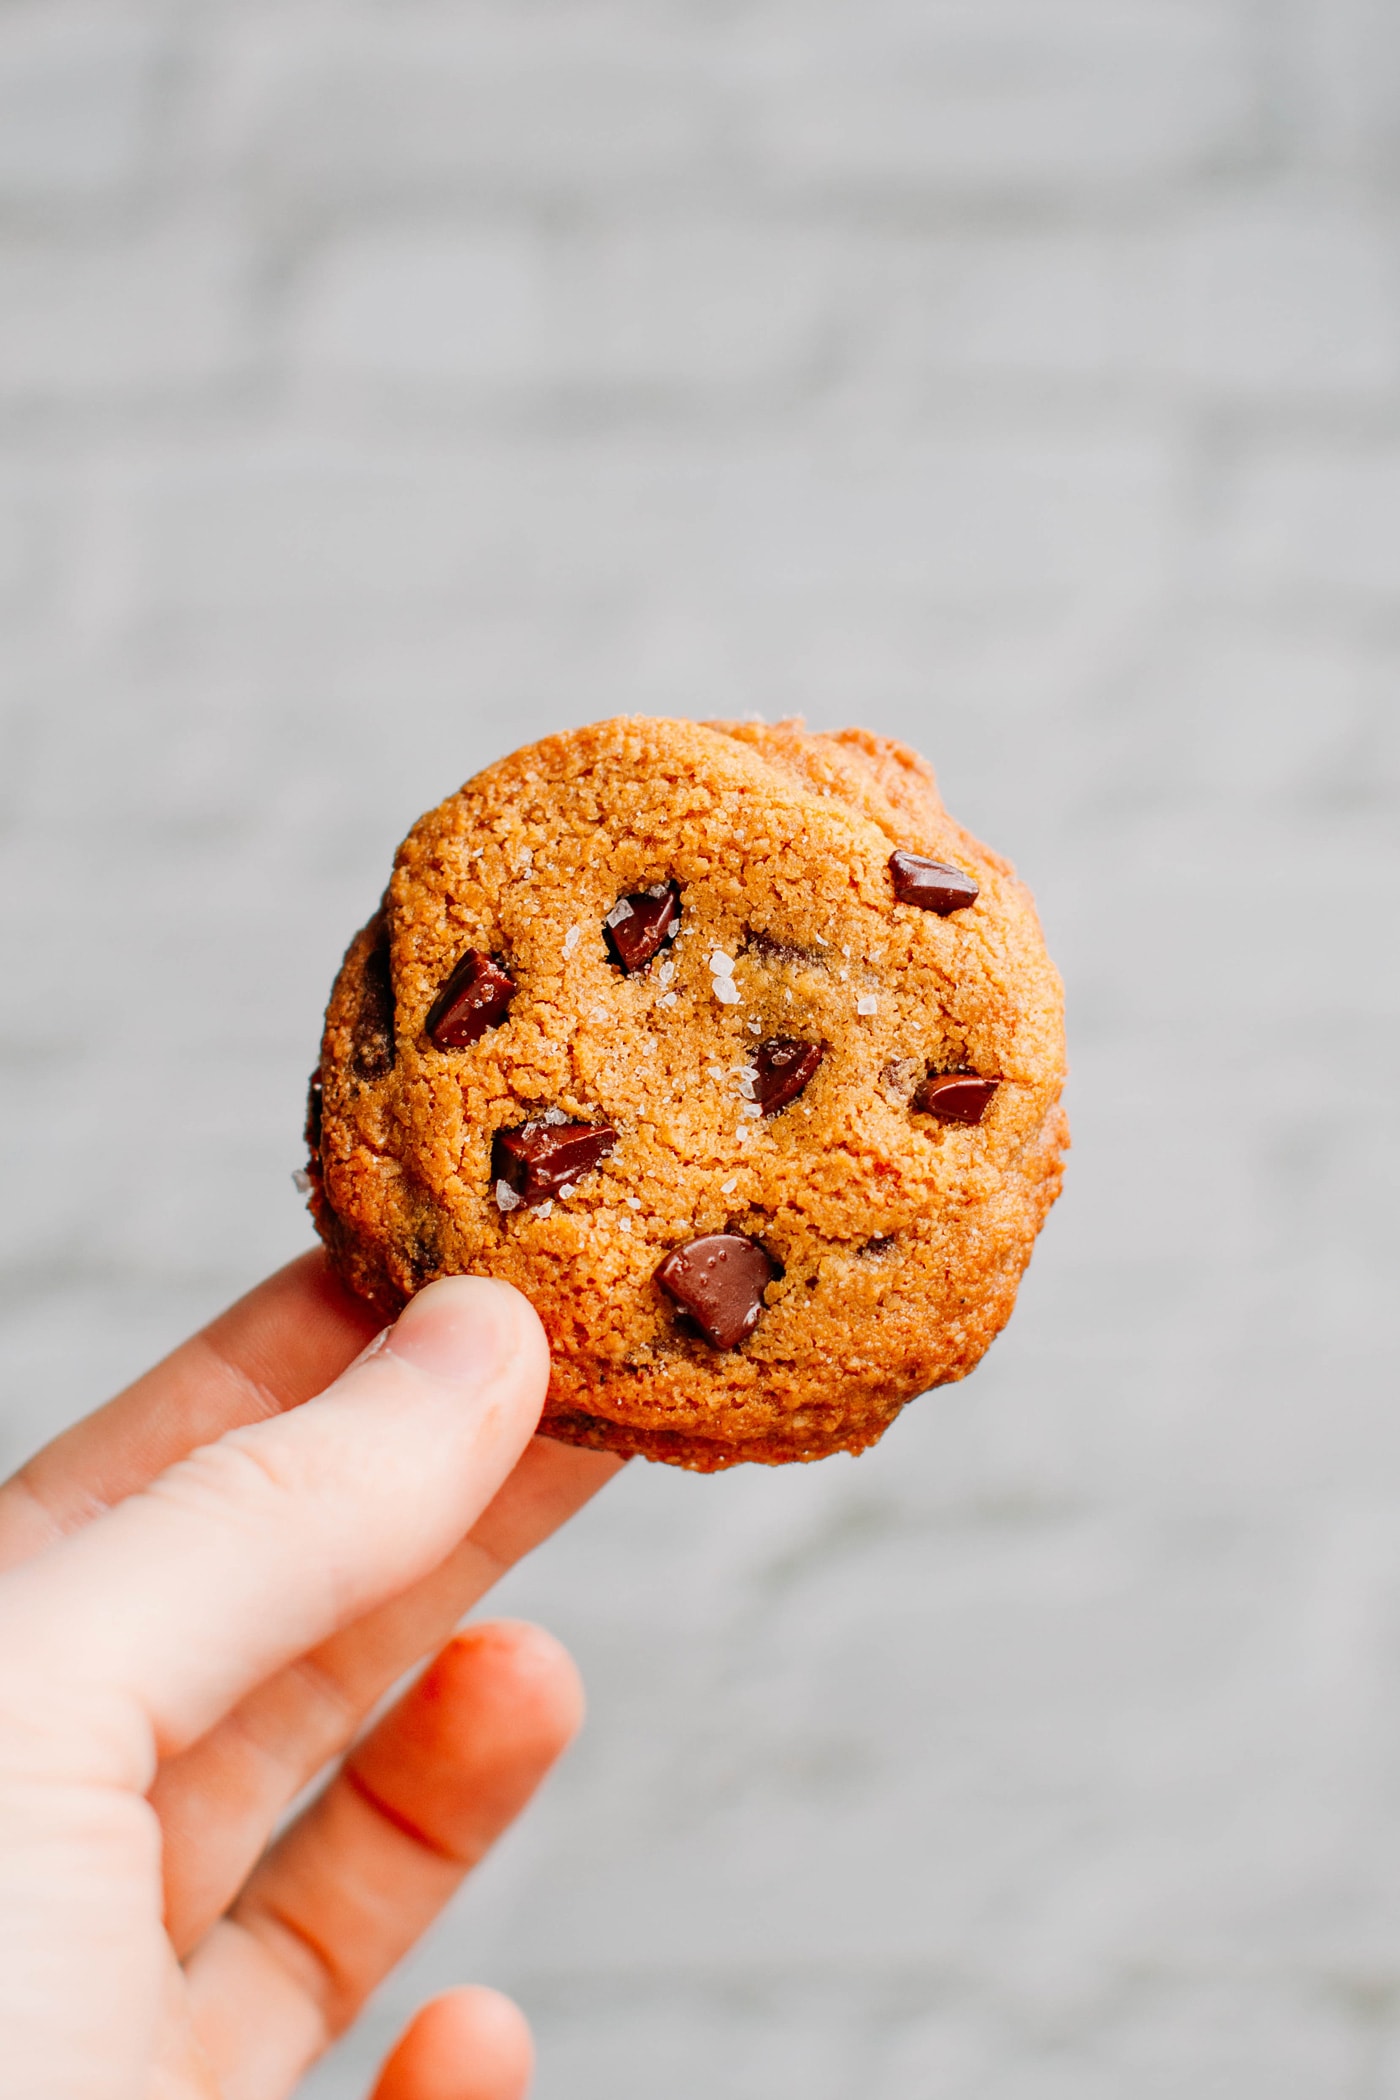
(383, 384)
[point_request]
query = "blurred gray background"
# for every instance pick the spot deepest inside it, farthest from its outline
(383, 385)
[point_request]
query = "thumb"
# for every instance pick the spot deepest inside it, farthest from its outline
(258, 1546)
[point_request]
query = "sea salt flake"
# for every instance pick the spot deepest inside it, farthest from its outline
(746, 1080)
(726, 991)
(845, 975)
(756, 1027)
(673, 929)
(506, 1197)
(624, 1224)
(667, 999)
(543, 1210)
(867, 1003)
(566, 1189)
(571, 939)
(665, 970)
(554, 1116)
(713, 1072)
(634, 1202)
(301, 1181)
(620, 911)
(721, 964)
(820, 942)
(727, 1188)
(750, 1108)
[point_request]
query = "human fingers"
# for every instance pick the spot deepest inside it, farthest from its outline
(170, 1608)
(219, 1801)
(282, 1342)
(364, 1871)
(469, 2044)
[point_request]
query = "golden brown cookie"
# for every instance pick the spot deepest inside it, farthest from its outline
(732, 1051)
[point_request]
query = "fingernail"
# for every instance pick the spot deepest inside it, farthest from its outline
(460, 1328)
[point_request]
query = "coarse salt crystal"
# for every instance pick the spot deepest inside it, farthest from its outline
(726, 991)
(624, 1224)
(721, 964)
(727, 1188)
(667, 999)
(566, 1189)
(506, 1197)
(746, 1080)
(713, 1072)
(571, 939)
(554, 1116)
(750, 1108)
(867, 1003)
(756, 1027)
(620, 911)
(634, 1202)
(301, 1181)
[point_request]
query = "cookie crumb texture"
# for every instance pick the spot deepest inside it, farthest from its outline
(751, 1047)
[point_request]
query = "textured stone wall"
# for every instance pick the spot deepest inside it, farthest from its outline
(381, 385)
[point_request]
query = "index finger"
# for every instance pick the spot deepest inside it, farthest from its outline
(285, 1340)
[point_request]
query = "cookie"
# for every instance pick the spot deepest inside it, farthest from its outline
(728, 1048)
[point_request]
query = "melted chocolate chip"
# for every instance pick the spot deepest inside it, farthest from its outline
(782, 1067)
(637, 926)
(542, 1159)
(475, 997)
(372, 1031)
(931, 884)
(718, 1281)
(956, 1097)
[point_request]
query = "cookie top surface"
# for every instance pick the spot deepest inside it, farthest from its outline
(646, 1026)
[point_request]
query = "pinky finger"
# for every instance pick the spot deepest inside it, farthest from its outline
(470, 2044)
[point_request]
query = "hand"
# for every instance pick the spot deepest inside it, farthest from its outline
(206, 1587)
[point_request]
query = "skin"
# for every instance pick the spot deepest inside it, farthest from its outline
(204, 1590)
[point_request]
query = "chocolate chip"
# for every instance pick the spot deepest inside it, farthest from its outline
(542, 1159)
(372, 1031)
(931, 884)
(315, 1111)
(719, 1280)
(475, 997)
(781, 1069)
(638, 925)
(955, 1097)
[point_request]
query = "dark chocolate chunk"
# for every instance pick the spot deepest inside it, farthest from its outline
(372, 1031)
(475, 997)
(315, 1110)
(956, 1097)
(541, 1159)
(781, 1069)
(931, 884)
(639, 925)
(719, 1280)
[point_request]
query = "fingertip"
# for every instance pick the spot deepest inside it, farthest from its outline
(532, 1675)
(470, 2044)
(473, 1327)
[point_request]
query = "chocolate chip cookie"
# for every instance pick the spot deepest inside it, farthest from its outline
(731, 1050)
